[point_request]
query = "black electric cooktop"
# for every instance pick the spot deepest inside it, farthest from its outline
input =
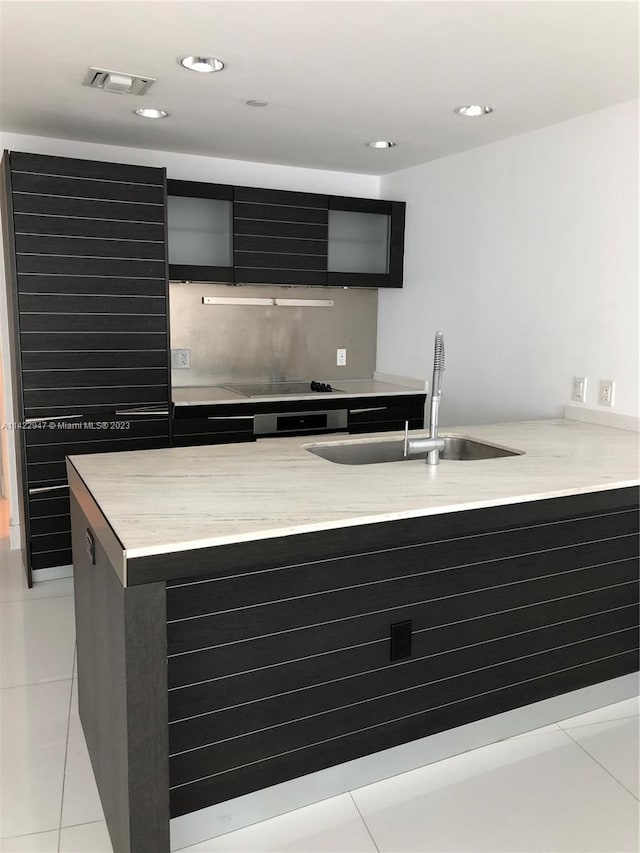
(277, 389)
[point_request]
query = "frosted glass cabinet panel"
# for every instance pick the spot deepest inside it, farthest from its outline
(366, 242)
(199, 231)
(358, 242)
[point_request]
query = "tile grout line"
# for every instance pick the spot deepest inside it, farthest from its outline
(364, 822)
(598, 722)
(35, 683)
(608, 772)
(39, 598)
(66, 750)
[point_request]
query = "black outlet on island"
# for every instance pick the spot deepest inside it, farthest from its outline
(401, 640)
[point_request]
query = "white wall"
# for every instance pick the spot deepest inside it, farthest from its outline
(525, 253)
(186, 167)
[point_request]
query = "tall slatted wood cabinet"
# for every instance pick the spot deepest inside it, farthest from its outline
(87, 280)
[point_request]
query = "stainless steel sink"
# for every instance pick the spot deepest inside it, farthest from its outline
(456, 448)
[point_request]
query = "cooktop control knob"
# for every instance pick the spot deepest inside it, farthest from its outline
(320, 386)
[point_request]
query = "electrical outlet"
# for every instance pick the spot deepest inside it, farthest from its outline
(579, 389)
(180, 359)
(341, 357)
(605, 397)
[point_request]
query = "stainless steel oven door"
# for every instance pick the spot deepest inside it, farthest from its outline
(298, 423)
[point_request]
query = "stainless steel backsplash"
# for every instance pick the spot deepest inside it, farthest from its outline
(236, 343)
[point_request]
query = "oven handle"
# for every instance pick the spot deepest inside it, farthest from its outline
(374, 409)
(231, 418)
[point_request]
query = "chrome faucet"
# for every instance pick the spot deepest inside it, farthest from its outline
(433, 445)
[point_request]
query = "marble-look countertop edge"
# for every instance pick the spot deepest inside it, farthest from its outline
(182, 499)
(294, 530)
(217, 395)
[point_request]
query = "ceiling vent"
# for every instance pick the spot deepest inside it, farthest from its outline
(118, 82)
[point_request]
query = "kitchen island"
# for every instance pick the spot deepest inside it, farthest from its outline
(254, 616)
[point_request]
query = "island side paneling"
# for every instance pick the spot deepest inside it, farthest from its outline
(279, 660)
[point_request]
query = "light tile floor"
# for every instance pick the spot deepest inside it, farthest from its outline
(566, 787)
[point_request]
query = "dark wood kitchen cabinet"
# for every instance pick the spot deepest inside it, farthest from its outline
(200, 231)
(280, 237)
(85, 252)
(381, 414)
(258, 662)
(366, 242)
(223, 423)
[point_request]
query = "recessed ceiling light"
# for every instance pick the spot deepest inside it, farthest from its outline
(203, 64)
(149, 112)
(256, 103)
(473, 110)
(381, 143)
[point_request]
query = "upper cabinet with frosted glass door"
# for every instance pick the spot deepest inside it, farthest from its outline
(200, 231)
(366, 242)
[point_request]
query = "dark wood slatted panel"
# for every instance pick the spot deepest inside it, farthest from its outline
(292, 662)
(96, 378)
(247, 228)
(92, 301)
(115, 340)
(286, 257)
(42, 473)
(280, 198)
(190, 432)
(375, 414)
(97, 209)
(265, 659)
(88, 247)
(563, 545)
(56, 303)
(526, 688)
(285, 245)
(50, 524)
(39, 283)
(50, 559)
(48, 504)
(399, 598)
(98, 266)
(87, 430)
(85, 188)
(375, 680)
(282, 261)
(101, 360)
(70, 226)
(37, 403)
(50, 322)
(246, 275)
(224, 676)
(71, 167)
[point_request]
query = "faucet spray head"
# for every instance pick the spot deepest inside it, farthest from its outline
(438, 365)
(438, 355)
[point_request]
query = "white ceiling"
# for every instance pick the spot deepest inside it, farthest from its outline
(335, 74)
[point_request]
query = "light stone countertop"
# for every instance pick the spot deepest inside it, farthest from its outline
(209, 395)
(161, 501)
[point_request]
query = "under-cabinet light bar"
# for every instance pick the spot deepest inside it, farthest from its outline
(267, 300)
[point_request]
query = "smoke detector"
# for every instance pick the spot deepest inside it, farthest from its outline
(118, 82)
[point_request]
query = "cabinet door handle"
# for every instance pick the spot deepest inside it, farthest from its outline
(231, 418)
(40, 489)
(142, 412)
(51, 418)
(362, 411)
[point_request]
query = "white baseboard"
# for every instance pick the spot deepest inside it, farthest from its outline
(287, 796)
(407, 381)
(602, 418)
(15, 537)
(52, 574)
